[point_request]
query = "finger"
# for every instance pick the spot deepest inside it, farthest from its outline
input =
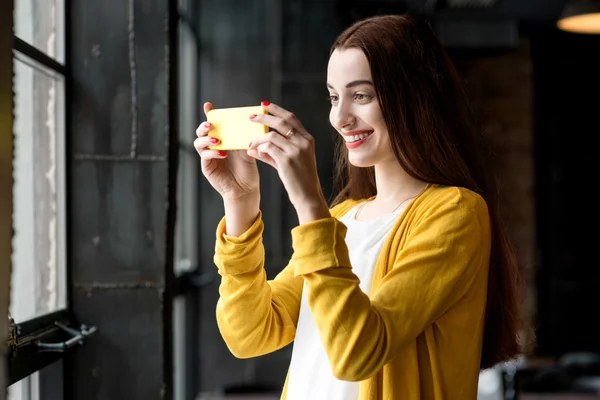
(206, 141)
(212, 155)
(205, 153)
(274, 122)
(203, 129)
(278, 111)
(264, 157)
(273, 151)
(282, 126)
(207, 107)
(285, 115)
(271, 137)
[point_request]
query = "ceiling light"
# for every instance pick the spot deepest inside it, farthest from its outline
(581, 16)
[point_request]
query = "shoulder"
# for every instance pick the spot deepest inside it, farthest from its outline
(439, 197)
(452, 206)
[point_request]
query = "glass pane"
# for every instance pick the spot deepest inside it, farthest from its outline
(186, 236)
(41, 23)
(26, 389)
(186, 240)
(38, 275)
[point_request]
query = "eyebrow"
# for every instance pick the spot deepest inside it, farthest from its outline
(355, 83)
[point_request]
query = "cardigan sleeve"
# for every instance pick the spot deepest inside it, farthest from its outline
(433, 269)
(254, 316)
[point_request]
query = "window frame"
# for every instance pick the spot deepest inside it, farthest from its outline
(6, 171)
(24, 356)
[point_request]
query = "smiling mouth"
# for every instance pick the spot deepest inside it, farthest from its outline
(356, 138)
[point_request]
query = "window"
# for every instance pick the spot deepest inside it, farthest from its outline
(38, 277)
(40, 23)
(38, 280)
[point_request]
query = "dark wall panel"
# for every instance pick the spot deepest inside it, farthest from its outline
(120, 234)
(309, 30)
(567, 81)
(121, 187)
(121, 60)
(123, 361)
(101, 119)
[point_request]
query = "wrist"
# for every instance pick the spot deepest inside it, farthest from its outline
(240, 214)
(243, 201)
(312, 211)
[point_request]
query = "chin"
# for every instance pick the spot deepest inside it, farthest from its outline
(361, 160)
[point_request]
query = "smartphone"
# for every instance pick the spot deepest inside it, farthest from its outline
(233, 127)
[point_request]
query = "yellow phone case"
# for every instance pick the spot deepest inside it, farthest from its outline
(234, 128)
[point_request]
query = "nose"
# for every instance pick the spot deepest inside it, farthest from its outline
(342, 117)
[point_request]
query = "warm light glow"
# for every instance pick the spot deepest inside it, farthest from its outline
(587, 23)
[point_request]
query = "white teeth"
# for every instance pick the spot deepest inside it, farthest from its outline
(355, 138)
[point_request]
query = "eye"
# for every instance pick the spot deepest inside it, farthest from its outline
(333, 98)
(362, 97)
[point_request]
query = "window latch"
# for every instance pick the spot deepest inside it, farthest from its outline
(13, 332)
(77, 337)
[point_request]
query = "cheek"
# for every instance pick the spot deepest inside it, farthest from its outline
(377, 117)
(371, 114)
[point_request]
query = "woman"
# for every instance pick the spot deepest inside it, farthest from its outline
(407, 286)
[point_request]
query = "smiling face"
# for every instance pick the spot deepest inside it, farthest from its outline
(355, 110)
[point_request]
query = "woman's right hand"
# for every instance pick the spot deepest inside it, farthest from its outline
(233, 174)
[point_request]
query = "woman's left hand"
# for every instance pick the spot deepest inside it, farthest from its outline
(293, 156)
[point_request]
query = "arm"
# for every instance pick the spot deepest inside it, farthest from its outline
(431, 272)
(254, 316)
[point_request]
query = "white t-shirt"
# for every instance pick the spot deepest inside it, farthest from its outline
(310, 372)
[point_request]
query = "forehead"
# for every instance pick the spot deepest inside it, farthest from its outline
(347, 65)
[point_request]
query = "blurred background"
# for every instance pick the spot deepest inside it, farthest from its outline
(108, 228)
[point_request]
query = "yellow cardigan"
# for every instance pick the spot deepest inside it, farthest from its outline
(419, 333)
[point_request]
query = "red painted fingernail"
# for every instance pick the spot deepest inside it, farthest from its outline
(214, 140)
(253, 116)
(265, 103)
(222, 154)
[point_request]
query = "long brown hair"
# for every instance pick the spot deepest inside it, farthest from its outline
(436, 139)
